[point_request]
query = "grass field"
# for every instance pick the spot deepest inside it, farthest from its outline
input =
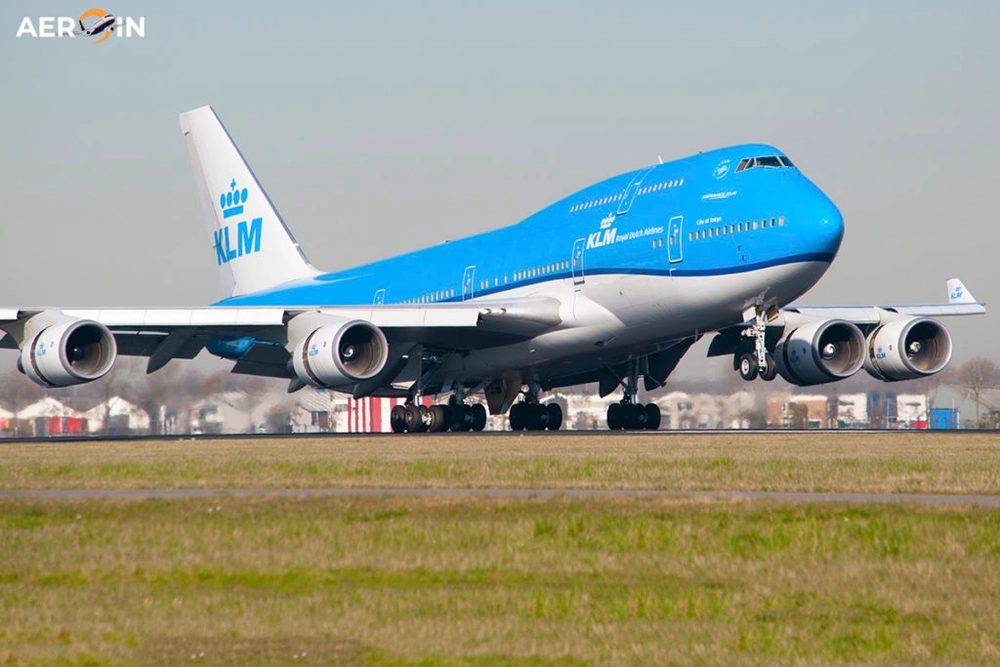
(468, 580)
(853, 462)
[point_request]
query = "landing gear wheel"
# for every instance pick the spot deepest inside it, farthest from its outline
(771, 370)
(413, 420)
(397, 419)
(616, 416)
(748, 366)
(478, 417)
(652, 411)
(437, 420)
(516, 417)
(554, 416)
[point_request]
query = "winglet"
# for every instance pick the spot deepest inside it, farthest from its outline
(959, 293)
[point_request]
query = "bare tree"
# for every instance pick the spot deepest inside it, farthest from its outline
(977, 374)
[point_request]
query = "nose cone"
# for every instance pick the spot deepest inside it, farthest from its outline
(829, 225)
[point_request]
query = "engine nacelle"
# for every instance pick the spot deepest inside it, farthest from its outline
(908, 348)
(341, 354)
(821, 351)
(67, 352)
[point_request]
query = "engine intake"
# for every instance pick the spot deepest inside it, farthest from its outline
(68, 352)
(821, 351)
(908, 348)
(340, 355)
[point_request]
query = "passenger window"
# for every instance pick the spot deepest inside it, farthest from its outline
(755, 225)
(781, 221)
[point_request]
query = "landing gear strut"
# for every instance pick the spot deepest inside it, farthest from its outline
(759, 362)
(630, 415)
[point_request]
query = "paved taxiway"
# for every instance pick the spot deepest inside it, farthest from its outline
(784, 496)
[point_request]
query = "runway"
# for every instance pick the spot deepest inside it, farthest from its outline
(782, 496)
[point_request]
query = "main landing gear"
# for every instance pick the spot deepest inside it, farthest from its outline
(630, 415)
(530, 415)
(453, 416)
(759, 362)
(527, 416)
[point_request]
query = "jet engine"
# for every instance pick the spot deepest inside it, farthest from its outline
(340, 354)
(820, 351)
(908, 348)
(67, 352)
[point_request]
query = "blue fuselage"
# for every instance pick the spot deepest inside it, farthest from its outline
(691, 217)
(638, 260)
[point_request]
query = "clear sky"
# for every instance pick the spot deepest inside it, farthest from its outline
(380, 127)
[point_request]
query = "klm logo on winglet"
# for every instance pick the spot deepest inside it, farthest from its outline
(247, 236)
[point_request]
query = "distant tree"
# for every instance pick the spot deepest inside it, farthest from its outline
(977, 374)
(279, 419)
(800, 416)
(754, 419)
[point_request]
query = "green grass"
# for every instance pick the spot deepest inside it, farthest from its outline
(891, 463)
(471, 580)
(492, 581)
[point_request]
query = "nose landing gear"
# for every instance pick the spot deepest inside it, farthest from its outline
(759, 362)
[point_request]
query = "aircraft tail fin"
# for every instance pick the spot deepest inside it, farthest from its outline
(253, 248)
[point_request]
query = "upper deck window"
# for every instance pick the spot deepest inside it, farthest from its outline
(772, 161)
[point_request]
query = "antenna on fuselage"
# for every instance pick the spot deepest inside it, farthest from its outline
(660, 158)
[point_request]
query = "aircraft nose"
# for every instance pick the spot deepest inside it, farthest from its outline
(829, 225)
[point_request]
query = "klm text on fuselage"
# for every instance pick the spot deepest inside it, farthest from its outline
(247, 241)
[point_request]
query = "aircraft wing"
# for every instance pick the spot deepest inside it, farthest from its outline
(258, 335)
(960, 302)
(867, 318)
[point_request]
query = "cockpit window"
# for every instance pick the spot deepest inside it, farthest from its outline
(772, 161)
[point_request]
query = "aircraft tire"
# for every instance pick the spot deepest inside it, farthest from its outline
(616, 416)
(478, 417)
(438, 419)
(748, 366)
(516, 417)
(771, 370)
(554, 414)
(397, 419)
(652, 411)
(413, 420)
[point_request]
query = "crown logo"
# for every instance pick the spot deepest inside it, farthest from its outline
(232, 202)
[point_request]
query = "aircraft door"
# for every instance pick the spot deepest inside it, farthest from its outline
(630, 192)
(469, 283)
(577, 261)
(379, 297)
(675, 251)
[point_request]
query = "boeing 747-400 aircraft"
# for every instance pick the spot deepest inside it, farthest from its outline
(609, 285)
